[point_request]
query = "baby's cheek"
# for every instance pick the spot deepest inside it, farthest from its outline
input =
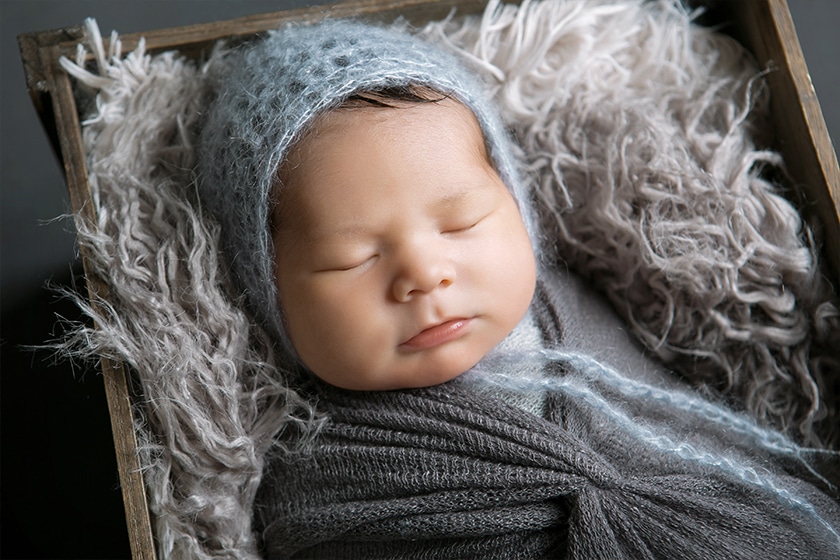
(342, 316)
(516, 275)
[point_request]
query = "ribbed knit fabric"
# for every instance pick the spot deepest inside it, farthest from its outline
(450, 472)
(275, 91)
(452, 476)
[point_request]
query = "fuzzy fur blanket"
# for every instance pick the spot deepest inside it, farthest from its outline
(638, 132)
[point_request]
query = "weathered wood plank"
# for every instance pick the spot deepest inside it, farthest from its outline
(197, 39)
(766, 28)
(116, 385)
(35, 74)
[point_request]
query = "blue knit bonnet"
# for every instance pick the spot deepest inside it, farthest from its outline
(274, 91)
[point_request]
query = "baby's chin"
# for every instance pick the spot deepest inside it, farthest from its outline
(397, 378)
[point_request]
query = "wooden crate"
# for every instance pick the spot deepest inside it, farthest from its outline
(765, 27)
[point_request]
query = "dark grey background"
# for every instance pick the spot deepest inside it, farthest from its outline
(59, 489)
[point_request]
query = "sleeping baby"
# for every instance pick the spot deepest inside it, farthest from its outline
(479, 400)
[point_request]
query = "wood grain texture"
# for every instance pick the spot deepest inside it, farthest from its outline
(117, 394)
(197, 40)
(766, 28)
(36, 74)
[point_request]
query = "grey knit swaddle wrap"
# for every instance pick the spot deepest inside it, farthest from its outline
(275, 91)
(450, 472)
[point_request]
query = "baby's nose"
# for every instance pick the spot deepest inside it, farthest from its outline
(422, 272)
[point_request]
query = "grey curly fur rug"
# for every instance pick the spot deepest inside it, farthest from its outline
(637, 131)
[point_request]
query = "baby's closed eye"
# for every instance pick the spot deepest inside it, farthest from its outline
(463, 226)
(347, 264)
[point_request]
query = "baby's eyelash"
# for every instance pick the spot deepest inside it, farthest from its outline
(351, 266)
(467, 227)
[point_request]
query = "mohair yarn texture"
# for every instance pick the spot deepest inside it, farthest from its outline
(636, 131)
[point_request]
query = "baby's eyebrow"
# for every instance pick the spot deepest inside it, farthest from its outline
(458, 196)
(347, 233)
(453, 199)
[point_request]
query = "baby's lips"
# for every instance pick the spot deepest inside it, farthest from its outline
(439, 334)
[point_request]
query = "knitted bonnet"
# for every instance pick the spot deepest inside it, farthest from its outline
(274, 91)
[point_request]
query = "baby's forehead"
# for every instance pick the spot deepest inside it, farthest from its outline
(346, 116)
(424, 127)
(444, 120)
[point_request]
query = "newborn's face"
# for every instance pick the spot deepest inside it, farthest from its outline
(402, 258)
